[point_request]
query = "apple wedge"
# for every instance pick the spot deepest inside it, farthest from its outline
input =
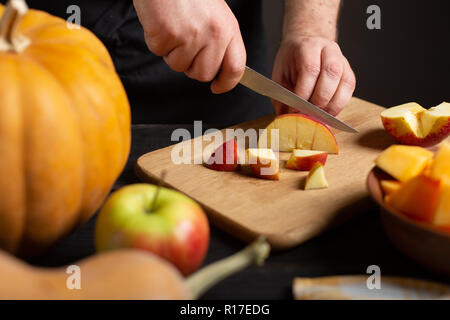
(414, 125)
(316, 178)
(404, 162)
(264, 163)
(297, 131)
(224, 158)
(417, 198)
(304, 160)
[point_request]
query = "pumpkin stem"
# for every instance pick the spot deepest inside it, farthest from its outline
(205, 278)
(10, 40)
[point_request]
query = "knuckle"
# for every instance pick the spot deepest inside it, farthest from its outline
(170, 33)
(215, 30)
(154, 45)
(322, 98)
(177, 66)
(205, 76)
(236, 69)
(312, 69)
(333, 69)
(349, 82)
(335, 45)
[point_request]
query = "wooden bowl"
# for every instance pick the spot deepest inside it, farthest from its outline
(428, 246)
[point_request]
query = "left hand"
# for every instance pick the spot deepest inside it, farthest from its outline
(316, 70)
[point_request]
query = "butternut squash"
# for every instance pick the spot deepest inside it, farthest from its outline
(120, 274)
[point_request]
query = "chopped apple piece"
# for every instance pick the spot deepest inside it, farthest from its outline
(316, 178)
(440, 168)
(264, 163)
(442, 215)
(224, 158)
(414, 125)
(390, 186)
(417, 198)
(403, 162)
(298, 131)
(304, 160)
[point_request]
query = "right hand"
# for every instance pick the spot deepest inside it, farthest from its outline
(199, 38)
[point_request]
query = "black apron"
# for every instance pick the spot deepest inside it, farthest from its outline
(156, 93)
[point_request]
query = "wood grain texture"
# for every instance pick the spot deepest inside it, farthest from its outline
(282, 211)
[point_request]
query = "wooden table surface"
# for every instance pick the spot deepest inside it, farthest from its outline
(348, 249)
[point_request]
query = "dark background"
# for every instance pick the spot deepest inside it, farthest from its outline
(407, 60)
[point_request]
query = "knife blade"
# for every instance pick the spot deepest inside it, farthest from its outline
(266, 87)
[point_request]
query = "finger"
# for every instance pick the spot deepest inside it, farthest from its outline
(279, 76)
(233, 66)
(181, 58)
(308, 66)
(206, 63)
(344, 92)
(280, 108)
(161, 45)
(332, 68)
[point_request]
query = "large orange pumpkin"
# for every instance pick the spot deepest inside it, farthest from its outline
(64, 127)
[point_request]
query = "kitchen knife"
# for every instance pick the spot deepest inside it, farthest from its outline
(266, 87)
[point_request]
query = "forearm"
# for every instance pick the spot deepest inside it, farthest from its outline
(311, 18)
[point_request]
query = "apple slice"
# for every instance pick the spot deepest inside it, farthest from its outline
(304, 160)
(264, 163)
(440, 168)
(297, 131)
(404, 162)
(417, 198)
(390, 186)
(224, 158)
(414, 125)
(316, 178)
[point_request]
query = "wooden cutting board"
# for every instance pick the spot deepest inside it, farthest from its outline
(282, 211)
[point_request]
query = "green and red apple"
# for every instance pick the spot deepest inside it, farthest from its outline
(173, 226)
(412, 124)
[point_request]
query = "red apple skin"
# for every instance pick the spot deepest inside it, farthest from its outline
(411, 139)
(186, 246)
(306, 163)
(221, 154)
(256, 169)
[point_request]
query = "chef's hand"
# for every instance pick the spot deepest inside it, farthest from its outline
(198, 38)
(316, 70)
